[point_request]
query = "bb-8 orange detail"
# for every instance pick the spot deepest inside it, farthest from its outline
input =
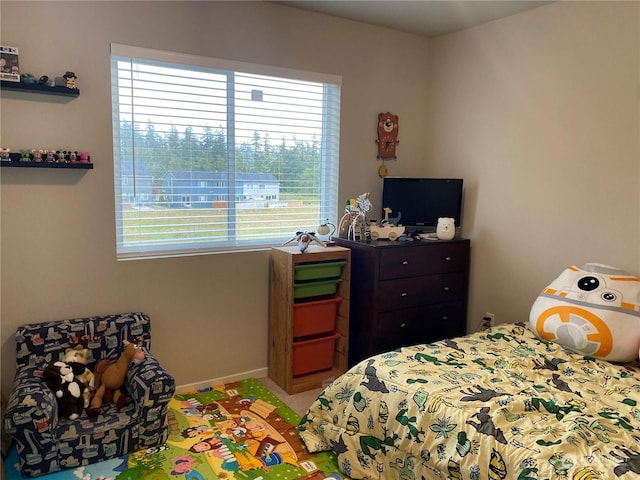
(573, 324)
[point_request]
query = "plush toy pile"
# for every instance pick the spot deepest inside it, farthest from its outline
(76, 387)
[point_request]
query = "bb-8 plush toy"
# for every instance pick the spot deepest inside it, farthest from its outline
(593, 309)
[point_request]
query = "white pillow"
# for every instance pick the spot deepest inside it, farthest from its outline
(592, 309)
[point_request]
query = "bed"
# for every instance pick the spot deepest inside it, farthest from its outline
(498, 404)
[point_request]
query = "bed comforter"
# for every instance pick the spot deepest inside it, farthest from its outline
(499, 404)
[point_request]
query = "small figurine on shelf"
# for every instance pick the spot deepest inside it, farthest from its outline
(5, 154)
(25, 155)
(70, 79)
(27, 78)
(305, 239)
(61, 156)
(84, 157)
(49, 156)
(37, 155)
(73, 157)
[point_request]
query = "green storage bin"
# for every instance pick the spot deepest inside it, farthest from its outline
(316, 288)
(318, 271)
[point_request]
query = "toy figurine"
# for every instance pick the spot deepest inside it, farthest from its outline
(353, 222)
(61, 156)
(84, 157)
(305, 239)
(5, 154)
(37, 155)
(49, 156)
(73, 157)
(25, 155)
(391, 220)
(388, 228)
(70, 79)
(27, 78)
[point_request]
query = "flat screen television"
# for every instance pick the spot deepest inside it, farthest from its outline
(421, 201)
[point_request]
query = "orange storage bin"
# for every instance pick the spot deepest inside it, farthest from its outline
(313, 355)
(312, 318)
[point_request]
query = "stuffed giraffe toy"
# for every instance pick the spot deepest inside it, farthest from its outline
(109, 378)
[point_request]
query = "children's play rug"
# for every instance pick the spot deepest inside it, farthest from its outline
(234, 431)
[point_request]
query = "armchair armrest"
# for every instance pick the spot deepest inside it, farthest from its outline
(151, 388)
(30, 419)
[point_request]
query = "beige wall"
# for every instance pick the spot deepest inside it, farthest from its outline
(58, 243)
(538, 112)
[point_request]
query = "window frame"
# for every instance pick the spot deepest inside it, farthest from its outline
(329, 177)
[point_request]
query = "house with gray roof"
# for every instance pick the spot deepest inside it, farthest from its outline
(137, 182)
(196, 189)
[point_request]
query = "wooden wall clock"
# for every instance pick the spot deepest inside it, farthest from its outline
(387, 135)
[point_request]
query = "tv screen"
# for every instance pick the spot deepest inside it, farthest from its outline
(421, 201)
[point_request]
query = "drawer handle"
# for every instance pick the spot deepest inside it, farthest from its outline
(444, 317)
(405, 262)
(446, 289)
(448, 259)
(403, 294)
(402, 325)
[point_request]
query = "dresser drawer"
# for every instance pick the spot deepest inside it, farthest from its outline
(413, 262)
(420, 325)
(411, 292)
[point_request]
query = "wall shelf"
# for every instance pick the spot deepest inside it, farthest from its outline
(79, 166)
(15, 162)
(37, 88)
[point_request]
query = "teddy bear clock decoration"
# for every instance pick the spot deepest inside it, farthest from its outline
(387, 139)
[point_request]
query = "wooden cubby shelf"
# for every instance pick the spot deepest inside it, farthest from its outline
(293, 372)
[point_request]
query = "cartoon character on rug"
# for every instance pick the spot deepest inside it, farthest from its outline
(109, 378)
(185, 465)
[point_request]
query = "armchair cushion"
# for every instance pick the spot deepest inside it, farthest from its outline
(47, 442)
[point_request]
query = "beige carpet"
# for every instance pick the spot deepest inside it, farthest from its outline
(299, 402)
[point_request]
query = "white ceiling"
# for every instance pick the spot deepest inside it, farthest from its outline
(429, 18)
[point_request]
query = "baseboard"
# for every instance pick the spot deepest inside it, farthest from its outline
(259, 373)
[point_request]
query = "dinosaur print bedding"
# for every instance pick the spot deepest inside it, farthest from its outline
(498, 404)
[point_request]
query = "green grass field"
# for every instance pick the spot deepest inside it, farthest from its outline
(198, 225)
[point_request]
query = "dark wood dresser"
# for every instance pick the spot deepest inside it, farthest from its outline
(405, 293)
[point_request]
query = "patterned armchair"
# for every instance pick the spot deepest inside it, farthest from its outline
(48, 443)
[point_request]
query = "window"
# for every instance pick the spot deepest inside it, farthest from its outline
(218, 156)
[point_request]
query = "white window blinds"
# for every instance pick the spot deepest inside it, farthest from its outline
(212, 155)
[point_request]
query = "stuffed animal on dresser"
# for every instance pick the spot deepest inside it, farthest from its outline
(446, 228)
